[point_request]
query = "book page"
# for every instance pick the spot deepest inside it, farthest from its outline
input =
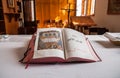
(49, 43)
(76, 45)
(112, 36)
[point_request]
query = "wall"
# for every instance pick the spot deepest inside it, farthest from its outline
(50, 9)
(112, 22)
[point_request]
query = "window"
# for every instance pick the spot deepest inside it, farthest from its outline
(85, 7)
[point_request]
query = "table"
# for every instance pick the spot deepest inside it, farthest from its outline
(12, 50)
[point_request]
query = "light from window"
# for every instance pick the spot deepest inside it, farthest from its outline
(85, 7)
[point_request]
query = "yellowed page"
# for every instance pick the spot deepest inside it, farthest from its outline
(76, 45)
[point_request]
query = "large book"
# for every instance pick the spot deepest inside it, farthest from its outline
(59, 45)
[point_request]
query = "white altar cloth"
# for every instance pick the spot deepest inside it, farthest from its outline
(12, 50)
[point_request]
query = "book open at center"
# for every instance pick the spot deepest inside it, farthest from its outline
(58, 45)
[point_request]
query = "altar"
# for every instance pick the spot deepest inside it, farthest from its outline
(13, 49)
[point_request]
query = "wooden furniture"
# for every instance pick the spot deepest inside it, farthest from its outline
(82, 22)
(9, 16)
(2, 22)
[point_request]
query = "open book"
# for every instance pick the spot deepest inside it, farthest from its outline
(59, 45)
(113, 37)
